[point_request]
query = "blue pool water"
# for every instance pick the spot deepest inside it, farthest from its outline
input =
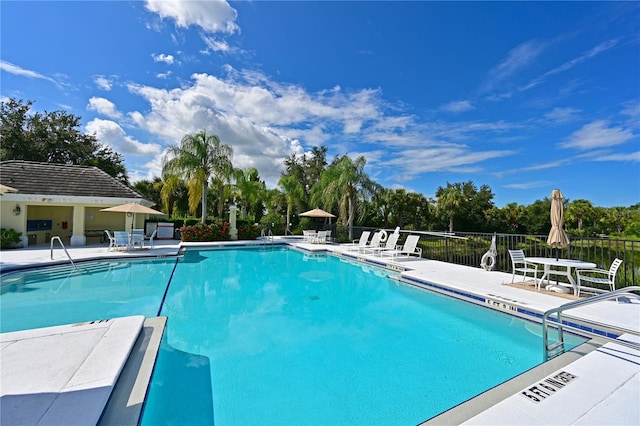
(273, 337)
(98, 290)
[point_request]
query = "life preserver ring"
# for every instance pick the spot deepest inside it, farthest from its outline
(488, 261)
(383, 236)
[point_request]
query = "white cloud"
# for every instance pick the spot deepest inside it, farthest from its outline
(595, 135)
(562, 115)
(167, 59)
(518, 58)
(211, 16)
(16, 70)
(103, 106)
(528, 185)
(458, 106)
(103, 83)
(110, 133)
(628, 156)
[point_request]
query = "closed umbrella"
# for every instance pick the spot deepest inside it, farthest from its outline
(132, 208)
(557, 236)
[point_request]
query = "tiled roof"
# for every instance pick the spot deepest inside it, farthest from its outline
(62, 179)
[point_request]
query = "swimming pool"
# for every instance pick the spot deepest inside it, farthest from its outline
(271, 336)
(97, 290)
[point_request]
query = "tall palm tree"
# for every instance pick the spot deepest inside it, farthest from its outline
(248, 190)
(343, 183)
(197, 158)
(449, 200)
(293, 192)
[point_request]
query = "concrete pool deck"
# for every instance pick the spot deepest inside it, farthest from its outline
(607, 379)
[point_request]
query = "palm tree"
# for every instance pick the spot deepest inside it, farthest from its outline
(294, 194)
(197, 158)
(449, 200)
(343, 183)
(248, 190)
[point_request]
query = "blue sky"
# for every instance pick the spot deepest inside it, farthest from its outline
(522, 96)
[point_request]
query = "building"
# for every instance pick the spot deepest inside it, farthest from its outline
(63, 200)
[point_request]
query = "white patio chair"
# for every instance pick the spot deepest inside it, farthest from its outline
(112, 240)
(389, 245)
(375, 242)
(153, 235)
(137, 238)
(308, 236)
(600, 277)
(520, 264)
(320, 238)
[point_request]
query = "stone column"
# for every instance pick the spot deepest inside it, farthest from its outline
(233, 231)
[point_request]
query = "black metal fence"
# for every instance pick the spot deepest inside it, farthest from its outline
(467, 248)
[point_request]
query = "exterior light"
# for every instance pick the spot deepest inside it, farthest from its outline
(17, 210)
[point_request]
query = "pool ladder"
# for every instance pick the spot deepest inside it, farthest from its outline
(266, 236)
(556, 348)
(57, 238)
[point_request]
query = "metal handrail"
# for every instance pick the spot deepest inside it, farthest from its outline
(627, 291)
(57, 238)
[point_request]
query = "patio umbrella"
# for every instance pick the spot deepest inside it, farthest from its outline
(132, 208)
(4, 189)
(557, 236)
(318, 213)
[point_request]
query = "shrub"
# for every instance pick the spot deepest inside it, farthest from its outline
(9, 237)
(247, 230)
(218, 230)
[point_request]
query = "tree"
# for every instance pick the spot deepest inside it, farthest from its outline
(293, 193)
(344, 183)
(197, 158)
(249, 191)
(449, 200)
(579, 211)
(53, 137)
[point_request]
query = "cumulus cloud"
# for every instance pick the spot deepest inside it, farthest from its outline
(595, 135)
(167, 59)
(211, 16)
(110, 133)
(104, 106)
(103, 83)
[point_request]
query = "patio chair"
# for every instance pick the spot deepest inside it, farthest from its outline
(153, 235)
(408, 249)
(328, 236)
(121, 239)
(112, 240)
(137, 238)
(600, 277)
(360, 242)
(320, 238)
(308, 236)
(519, 264)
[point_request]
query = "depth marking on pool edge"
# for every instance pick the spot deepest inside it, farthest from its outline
(547, 387)
(497, 304)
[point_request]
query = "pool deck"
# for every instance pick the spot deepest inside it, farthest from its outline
(592, 384)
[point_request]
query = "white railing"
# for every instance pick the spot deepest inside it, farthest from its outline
(57, 238)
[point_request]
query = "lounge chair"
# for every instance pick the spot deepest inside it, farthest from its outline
(375, 242)
(389, 245)
(361, 242)
(121, 239)
(520, 264)
(112, 240)
(600, 277)
(408, 249)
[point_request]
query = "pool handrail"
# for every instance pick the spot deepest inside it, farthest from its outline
(57, 238)
(616, 294)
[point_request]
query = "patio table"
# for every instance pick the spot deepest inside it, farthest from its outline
(564, 268)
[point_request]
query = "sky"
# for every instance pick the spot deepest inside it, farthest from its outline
(523, 97)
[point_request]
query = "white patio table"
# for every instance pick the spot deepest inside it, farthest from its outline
(564, 268)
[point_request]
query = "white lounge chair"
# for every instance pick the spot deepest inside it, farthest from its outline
(121, 239)
(361, 242)
(408, 249)
(389, 245)
(375, 242)
(520, 264)
(600, 277)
